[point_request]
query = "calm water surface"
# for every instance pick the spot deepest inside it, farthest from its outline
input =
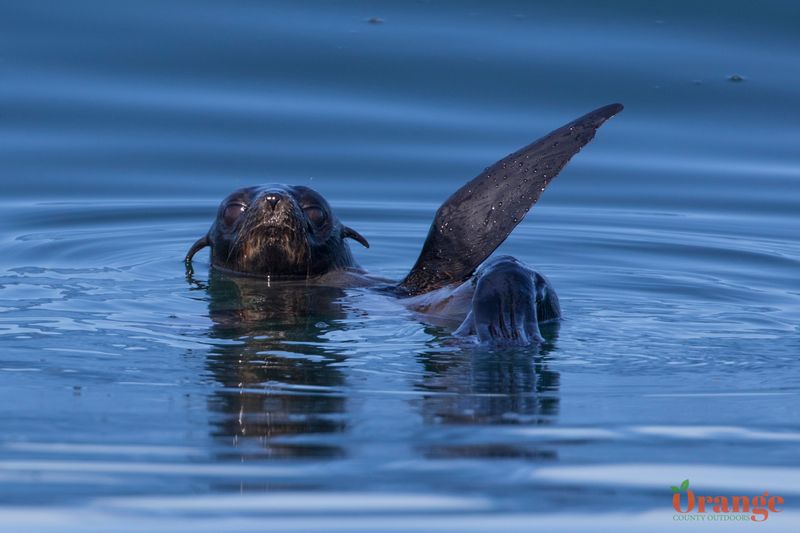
(134, 398)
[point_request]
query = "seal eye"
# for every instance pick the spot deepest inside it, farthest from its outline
(232, 213)
(315, 214)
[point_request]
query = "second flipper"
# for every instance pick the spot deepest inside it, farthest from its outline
(509, 303)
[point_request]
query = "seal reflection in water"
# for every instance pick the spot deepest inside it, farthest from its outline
(281, 232)
(277, 379)
(284, 381)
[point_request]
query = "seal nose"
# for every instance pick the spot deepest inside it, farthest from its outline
(272, 199)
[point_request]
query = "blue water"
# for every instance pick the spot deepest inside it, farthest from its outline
(134, 399)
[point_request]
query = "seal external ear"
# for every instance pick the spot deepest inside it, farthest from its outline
(201, 243)
(353, 234)
(479, 216)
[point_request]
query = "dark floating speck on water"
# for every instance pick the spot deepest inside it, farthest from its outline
(735, 78)
(375, 20)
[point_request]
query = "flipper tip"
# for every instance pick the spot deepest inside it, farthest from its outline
(610, 110)
(595, 119)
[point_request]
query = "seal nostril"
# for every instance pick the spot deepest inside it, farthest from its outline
(272, 200)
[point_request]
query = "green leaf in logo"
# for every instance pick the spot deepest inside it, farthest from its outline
(685, 484)
(675, 489)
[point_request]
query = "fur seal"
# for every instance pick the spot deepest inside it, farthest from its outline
(290, 232)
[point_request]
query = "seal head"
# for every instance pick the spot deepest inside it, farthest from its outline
(278, 231)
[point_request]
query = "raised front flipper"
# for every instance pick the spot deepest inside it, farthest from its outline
(479, 216)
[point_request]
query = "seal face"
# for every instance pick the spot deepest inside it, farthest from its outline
(278, 230)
